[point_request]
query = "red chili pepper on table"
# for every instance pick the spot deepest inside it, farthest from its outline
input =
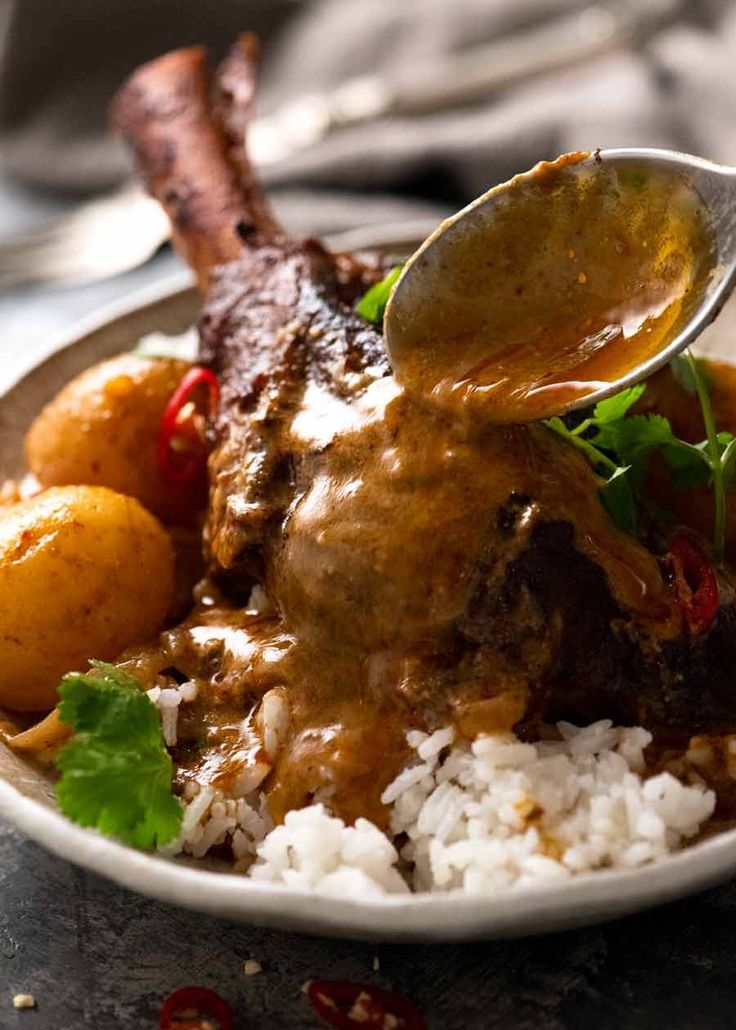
(347, 1006)
(182, 455)
(195, 1008)
(696, 584)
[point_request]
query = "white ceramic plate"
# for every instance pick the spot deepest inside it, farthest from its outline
(27, 800)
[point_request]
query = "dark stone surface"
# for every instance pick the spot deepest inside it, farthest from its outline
(97, 956)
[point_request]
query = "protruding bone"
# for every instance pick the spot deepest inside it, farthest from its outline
(188, 158)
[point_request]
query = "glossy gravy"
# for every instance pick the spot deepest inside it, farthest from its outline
(376, 561)
(573, 275)
(376, 566)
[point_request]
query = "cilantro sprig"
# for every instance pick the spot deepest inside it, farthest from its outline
(719, 450)
(115, 772)
(593, 436)
(619, 446)
(372, 305)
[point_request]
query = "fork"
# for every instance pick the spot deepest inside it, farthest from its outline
(98, 240)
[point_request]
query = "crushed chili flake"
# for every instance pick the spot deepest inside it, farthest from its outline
(346, 1005)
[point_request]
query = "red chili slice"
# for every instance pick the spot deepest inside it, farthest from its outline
(194, 1008)
(182, 456)
(346, 1006)
(696, 585)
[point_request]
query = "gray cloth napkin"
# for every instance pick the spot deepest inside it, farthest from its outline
(672, 86)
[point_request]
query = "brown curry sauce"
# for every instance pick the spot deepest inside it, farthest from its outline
(377, 557)
(363, 646)
(549, 287)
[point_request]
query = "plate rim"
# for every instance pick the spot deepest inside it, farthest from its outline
(420, 917)
(583, 900)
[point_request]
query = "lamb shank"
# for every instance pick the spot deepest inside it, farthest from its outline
(419, 572)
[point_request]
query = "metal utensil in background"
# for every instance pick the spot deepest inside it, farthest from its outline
(97, 240)
(400, 238)
(113, 234)
(441, 84)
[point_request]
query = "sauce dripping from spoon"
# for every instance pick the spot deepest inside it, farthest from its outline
(551, 288)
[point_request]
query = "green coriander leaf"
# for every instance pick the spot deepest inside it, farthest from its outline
(596, 458)
(558, 426)
(116, 772)
(628, 437)
(714, 451)
(372, 304)
(682, 370)
(727, 459)
(727, 444)
(616, 407)
(619, 446)
(634, 439)
(617, 497)
(91, 704)
(689, 465)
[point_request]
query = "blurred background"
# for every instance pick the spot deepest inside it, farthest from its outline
(375, 119)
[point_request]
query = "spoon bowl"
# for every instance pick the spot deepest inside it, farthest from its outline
(565, 284)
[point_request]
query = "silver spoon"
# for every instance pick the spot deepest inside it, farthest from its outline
(565, 284)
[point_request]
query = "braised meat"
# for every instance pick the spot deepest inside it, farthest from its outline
(420, 570)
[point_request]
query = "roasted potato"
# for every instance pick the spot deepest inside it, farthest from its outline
(84, 573)
(101, 429)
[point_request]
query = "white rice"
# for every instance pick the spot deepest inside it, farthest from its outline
(498, 814)
(167, 700)
(211, 819)
(316, 851)
(478, 818)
